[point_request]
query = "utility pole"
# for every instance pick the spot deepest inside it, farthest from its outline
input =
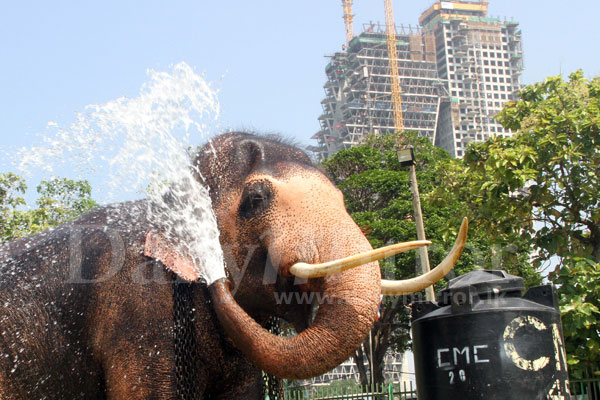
(407, 158)
(371, 360)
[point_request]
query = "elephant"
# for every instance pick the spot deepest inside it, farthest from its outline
(106, 307)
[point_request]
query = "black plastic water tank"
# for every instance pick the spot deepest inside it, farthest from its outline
(484, 340)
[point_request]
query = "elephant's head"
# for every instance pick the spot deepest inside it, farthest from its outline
(277, 213)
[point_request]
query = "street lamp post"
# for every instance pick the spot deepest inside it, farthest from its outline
(406, 157)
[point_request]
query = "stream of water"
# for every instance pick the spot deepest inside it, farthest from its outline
(141, 146)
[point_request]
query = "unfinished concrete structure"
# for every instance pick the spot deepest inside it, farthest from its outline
(456, 72)
(398, 369)
(358, 90)
(480, 60)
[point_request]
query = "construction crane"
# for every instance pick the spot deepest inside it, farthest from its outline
(348, 19)
(390, 28)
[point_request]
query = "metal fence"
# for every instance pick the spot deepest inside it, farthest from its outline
(391, 391)
(585, 389)
(581, 389)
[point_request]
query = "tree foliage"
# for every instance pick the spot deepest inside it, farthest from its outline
(580, 308)
(59, 200)
(377, 194)
(539, 191)
(546, 176)
(559, 123)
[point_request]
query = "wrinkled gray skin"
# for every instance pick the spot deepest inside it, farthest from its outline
(86, 315)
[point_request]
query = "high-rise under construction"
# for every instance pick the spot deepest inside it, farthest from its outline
(358, 97)
(456, 72)
(480, 59)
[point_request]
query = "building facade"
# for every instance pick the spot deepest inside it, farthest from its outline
(456, 72)
(358, 97)
(480, 60)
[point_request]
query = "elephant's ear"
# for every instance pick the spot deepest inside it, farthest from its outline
(157, 247)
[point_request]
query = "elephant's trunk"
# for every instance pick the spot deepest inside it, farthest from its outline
(344, 318)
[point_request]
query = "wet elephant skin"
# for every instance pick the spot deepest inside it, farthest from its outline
(86, 315)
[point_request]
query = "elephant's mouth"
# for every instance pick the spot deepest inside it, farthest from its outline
(301, 321)
(340, 325)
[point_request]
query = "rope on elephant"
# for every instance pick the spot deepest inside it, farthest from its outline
(185, 341)
(273, 386)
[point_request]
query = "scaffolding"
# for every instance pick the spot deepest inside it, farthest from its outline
(358, 91)
(457, 71)
(396, 370)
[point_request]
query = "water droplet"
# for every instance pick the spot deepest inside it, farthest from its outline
(141, 145)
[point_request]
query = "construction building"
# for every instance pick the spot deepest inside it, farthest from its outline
(398, 369)
(480, 59)
(456, 72)
(358, 96)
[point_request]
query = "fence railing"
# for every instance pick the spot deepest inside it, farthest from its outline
(581, 389)
(585, 389)
(391, 391)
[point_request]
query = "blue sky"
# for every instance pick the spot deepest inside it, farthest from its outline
(266, 57)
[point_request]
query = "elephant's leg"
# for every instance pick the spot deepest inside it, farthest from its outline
(250, 388)
(134, 373)
(238, 379)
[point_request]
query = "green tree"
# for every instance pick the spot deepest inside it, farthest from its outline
(60, 200)
(546, 176)
(540, 189)
(580, 308)
(377, 195)
(11, 188)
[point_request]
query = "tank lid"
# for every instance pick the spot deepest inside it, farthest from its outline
(483, 283)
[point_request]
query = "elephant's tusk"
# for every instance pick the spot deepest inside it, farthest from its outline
(304, 270)
(407, 286)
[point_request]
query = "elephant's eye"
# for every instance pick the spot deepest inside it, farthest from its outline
(255, 200)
